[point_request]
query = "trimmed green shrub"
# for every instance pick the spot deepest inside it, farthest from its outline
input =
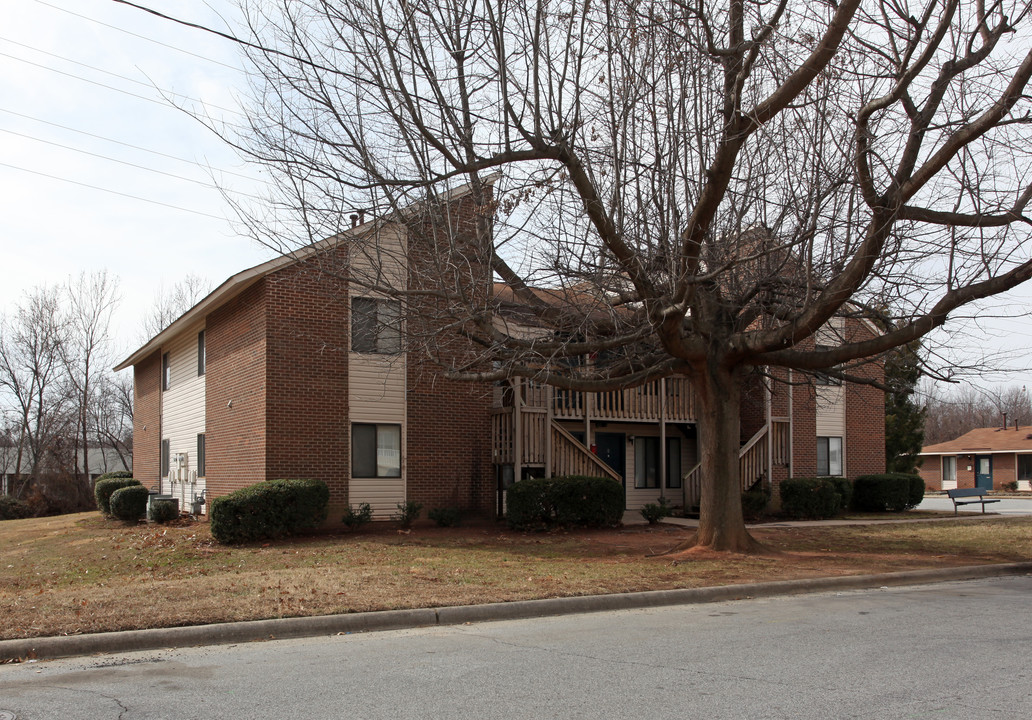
(106, 486)
(528, 504)
(892, 492)
(811, 498)
(844, 487)
(446, 517)
(583, 500)
(1011, 486)
(129, 503)
(572, 500)
(163, 511)
(754, 504)
(13, 508)
(408, 513)
(269, 509)
(654, 512)
(354, 519)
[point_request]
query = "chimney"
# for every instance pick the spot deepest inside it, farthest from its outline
(354, 220)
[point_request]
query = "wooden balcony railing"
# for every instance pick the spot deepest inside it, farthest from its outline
(672, 399)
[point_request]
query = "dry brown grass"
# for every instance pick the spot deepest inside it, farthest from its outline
(80, 573)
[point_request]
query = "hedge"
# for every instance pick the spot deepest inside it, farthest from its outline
(269, 509)
(754, 504)
(106, 486)
(810, 497)
(13, 508)
(129, 503)
(572, 500)
(892, 492)
(163, 511)
(116, 475)
(844, 488)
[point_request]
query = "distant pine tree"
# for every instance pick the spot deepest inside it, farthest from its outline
(904, 420)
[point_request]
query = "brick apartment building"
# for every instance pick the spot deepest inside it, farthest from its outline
(288, 370)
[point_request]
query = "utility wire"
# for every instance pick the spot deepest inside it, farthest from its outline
(166, 93)
(113, 192)
(142, 37)
(227, 36)
(162, 103)
(130, 145)
(130, 164)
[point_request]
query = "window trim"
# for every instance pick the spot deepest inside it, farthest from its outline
(952, 461)
(827, 454)
(376, 445)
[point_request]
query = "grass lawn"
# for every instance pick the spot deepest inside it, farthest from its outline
(81, 573)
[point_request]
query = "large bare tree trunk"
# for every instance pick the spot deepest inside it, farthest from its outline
(721, 524)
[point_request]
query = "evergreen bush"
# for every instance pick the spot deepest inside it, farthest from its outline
(106, 486)
(354, 519)
(269, 509)
(892, 492)
(810, 497)
(754, 504)
(129, 503)
(571, 500)
(446, 517)
(163, 511)
(13, 508)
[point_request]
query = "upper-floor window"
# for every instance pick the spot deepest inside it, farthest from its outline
(200, 455)
(166, 372)
(201, 358)
(375, 325)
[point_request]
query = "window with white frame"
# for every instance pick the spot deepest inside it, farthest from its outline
(375, 325)
(949, 469)
(375, 450)
(829, 456)
(1024, 467)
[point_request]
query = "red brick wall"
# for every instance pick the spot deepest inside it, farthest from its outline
(753, 404)
(931, 472)
(235, 393)
(147, 420)
(1004, 469)
(306, 421)
(449, 429)
(804, 427)
(865, 424)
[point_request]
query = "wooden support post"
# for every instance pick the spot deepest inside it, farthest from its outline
(517, 429)
(549, 412)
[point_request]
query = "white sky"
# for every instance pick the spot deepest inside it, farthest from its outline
(57, 56)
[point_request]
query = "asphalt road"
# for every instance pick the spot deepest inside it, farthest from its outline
(954, 650)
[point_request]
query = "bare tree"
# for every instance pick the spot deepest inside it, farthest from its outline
(112, 415)
(699, 187)
(91, 301)
(950, 415)
(32, 377)
(170, 303)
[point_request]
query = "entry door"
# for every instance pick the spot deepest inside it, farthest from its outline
(612, 448)
(984, 472)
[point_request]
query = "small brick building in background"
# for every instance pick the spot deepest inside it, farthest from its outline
(996, 458)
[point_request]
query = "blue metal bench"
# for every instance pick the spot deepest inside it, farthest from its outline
(977, 493)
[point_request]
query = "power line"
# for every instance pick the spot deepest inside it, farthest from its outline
(130, 164)
(162, 103)
(113, 192)
(166, 93)
(142, 37)
(129, 145)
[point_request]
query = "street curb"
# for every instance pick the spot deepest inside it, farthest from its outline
(256, 630)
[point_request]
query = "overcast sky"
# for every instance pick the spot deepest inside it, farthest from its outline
(85, 135)
(87, 129)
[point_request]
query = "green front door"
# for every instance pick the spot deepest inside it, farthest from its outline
(984, 472)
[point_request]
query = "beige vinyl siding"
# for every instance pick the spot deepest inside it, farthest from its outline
(182, 416)
(831, 411)
(377, 382)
